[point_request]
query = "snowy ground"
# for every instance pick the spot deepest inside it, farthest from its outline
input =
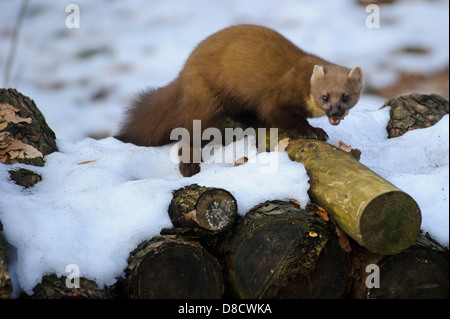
(95, 213)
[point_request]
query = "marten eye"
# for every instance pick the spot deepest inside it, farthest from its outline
(345, 98)
(325, 98)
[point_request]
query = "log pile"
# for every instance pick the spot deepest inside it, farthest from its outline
(360, 239)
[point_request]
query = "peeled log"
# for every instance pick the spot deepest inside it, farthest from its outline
(166, 268)
(202, 207)
(372, 211)
(282, 251)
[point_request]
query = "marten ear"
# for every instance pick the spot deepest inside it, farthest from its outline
(318, 73)
(355, 74)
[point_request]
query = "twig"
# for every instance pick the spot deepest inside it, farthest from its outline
(14, 38)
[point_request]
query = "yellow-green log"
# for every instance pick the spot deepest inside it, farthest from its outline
(372, 211)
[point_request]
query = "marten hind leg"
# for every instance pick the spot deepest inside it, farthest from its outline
(188, 165)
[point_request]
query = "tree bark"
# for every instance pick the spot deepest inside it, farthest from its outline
(202, 207)
(282, 251)
(53, 287)
(168, 268)
(25, 136)
(419, 272)
(6, 286)
(372, 211)
(414, 111)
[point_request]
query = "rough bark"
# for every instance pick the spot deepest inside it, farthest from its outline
(414, 111)
(25, 136)
(282, 251)
(53, 287)
(419, 272)
(202, 207)
(372, 211)
(168, 268)
(6, 286)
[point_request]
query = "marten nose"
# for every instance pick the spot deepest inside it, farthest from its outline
(335, 113)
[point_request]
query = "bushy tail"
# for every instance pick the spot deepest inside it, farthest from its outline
(151, 117)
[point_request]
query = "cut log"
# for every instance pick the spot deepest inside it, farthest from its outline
(414, 111)
(25, 136)
(202, 207)
(24, 177)
(420, 272)
(282, 251)
(6, 286)
(167, 268)
(53, 287)
(372, 211)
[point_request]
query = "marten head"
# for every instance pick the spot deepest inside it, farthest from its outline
(335, 90)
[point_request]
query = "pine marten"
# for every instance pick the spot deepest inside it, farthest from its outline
(244, 69)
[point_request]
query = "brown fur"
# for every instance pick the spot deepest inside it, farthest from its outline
(240, 69)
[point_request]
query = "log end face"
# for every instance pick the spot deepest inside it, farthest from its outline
(390, 223)
(216, 209)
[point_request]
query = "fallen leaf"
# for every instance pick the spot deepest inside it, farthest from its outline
(12, 148)
(31, 152)
(295, 202)
(3, 125)
(241, 161)
(86, 162)
(8, 115)
(316, 209)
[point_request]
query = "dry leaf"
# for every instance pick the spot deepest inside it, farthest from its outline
(6, 138)
(85, 162)
(31, 152)
(343, 239)
(295, 202)
(241, 161)
(316, 209)
(12, 145)
(3, 125)
(12, 148)
(8, 115)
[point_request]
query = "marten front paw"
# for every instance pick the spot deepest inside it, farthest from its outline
(189, 169)
(320, 134)
(311, 133)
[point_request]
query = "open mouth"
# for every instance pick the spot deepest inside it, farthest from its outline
(337, 120)
(334, 120)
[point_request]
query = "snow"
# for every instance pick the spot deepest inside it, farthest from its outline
(100, 198)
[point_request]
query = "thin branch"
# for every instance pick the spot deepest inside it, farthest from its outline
(14, 40)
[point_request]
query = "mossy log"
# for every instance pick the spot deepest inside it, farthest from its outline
(372, 211)
(282, 251)
(197, 206)
(419, 272)
(166, 268)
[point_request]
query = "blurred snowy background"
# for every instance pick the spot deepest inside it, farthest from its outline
(82, 78)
